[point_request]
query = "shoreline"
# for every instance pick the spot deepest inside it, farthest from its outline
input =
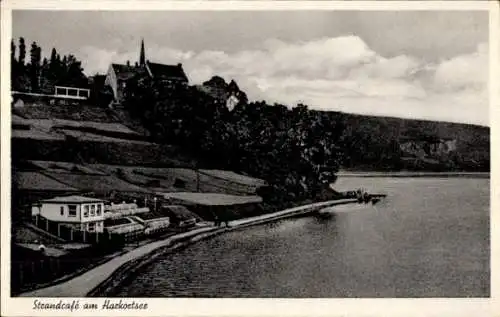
(410, 174)
(107, 276)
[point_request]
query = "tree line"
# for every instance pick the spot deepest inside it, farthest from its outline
(296, 150)
(39, 75)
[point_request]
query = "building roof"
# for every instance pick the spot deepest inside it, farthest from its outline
(211, 199)
(72, 199)
(170, 71)
(125, 72)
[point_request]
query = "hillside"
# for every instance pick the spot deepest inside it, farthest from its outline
(85, 133)
(100, 135)
(379, 143)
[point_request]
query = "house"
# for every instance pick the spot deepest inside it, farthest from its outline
(118, 75)
(170, 75)
(81, 213)
(227, 94)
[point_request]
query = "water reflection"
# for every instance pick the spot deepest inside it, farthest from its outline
(420, 242)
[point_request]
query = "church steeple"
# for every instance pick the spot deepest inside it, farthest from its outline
(142, 58)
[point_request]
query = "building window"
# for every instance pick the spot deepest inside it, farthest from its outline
(62, 210)
(99, 209)
(92, 210)
(86, 210)
(91, 226)
(72, 210)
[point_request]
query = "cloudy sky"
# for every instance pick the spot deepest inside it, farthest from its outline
(430, 65)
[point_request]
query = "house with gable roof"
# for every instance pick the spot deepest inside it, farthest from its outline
(118, 75)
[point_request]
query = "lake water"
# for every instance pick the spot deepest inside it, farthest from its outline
(429, 238)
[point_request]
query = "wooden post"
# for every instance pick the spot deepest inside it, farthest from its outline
(97, 237)
(71, 233)
(84, 236)
(46, 224)
(59, 230)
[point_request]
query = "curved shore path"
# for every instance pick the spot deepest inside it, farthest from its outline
(82, 285)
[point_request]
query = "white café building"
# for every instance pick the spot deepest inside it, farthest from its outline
(82, 213)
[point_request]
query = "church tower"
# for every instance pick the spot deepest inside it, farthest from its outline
(142, 58)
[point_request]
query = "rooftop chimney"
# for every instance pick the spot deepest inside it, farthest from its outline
(128, 63)
(179, 65)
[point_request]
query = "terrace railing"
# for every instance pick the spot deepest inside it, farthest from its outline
(71, 234)
(71, 92)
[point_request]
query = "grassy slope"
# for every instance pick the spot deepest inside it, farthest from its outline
(472, 141)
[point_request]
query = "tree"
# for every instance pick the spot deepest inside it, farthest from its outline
(20, 80)
(54, 65)
(12, 51)
(34, 67)
(22, 52)
(267, 141)
(13, 62)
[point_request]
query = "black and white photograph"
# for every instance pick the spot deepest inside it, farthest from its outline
(293, 154)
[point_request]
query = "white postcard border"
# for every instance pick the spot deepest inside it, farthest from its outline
(258, 307)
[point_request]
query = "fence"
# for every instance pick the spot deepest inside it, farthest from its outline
(72, 92)
(70, 234)
(30, 268)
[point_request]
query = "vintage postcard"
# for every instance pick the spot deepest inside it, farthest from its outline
(249, 158)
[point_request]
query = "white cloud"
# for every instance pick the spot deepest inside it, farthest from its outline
(340, 73)
(464, 72)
